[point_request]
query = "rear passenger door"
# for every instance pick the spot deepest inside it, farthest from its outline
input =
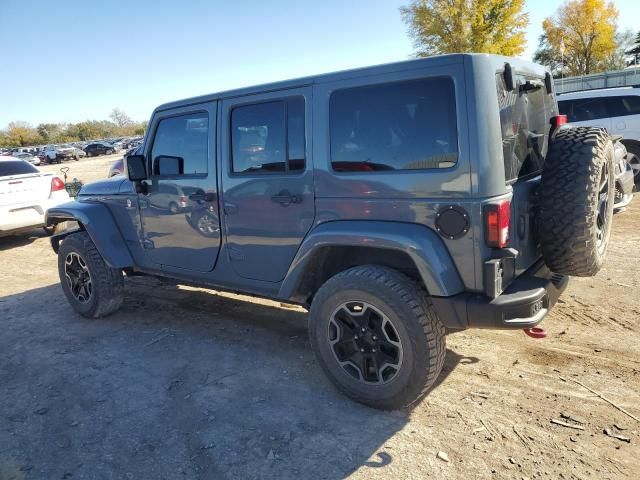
(267, 180)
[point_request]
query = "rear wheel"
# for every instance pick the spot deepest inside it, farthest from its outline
(376, 336)
(92, 287)
(576, 201)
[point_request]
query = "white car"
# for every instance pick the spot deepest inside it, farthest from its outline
(616, 109)
(26, 194)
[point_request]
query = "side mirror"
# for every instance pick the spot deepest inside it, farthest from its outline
(135, 168)
(168, 166)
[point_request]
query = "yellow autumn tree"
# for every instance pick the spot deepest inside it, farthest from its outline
(453, 26)
(588, 30)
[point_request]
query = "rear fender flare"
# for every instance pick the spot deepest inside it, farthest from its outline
(420, 243)
(98, 222)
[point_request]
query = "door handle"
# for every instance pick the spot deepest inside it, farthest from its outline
(201, 196)
(285, 198)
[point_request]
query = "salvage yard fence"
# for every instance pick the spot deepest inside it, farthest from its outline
(621, 78)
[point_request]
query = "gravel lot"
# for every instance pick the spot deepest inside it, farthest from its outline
(192, 383)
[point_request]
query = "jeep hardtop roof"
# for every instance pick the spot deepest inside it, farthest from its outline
(494, 62)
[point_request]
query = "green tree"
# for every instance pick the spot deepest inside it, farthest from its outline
(21, 134)
(452, 26)
(49, 132)
(587, 29)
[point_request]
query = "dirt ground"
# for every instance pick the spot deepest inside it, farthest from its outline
(190, 383)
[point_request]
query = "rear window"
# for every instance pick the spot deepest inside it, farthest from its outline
(525, 122)
(405, 125)
(16, 167)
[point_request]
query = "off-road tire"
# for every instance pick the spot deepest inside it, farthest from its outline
(569, 201)
(108, 284)
(407, 305)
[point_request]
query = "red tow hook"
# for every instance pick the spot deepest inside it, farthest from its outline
(535, 332)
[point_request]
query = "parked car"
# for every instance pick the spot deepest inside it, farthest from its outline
(78, 152)
(117, 167)
(443, 193)
(26, 194)
(95, 149)
(616, 109)
(58, 153)
(28, 157)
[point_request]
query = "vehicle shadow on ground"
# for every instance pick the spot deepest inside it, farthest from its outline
(177, 384)
(21, 239)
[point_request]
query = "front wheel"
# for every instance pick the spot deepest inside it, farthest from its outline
(377, 336)
(92, 287)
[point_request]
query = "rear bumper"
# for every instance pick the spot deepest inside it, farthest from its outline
(21, 217)
(523, 304)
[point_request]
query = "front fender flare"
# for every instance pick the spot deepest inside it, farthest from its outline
(98, 222)
(420, 243)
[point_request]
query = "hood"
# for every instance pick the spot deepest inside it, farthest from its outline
(109, 186)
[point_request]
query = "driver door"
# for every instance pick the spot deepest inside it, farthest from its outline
(179, 212)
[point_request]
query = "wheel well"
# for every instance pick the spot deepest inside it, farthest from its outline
(59, 236)
(329, 261)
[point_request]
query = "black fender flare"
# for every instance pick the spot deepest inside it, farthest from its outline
(96, 219)
(420, 243)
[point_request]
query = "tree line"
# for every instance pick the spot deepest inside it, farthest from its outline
(23, 134)
(579, 38)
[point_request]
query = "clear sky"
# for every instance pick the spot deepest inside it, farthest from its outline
(72, 60)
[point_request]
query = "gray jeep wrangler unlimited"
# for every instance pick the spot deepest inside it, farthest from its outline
(394, 202)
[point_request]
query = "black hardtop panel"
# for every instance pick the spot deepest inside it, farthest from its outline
(436, 61)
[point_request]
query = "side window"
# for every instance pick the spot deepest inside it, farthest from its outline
(632, 104)
(586, 109)
(268, 137)
(184, 136)
(395, 126)
(622, 106)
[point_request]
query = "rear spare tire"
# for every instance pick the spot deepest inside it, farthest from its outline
(576, 201)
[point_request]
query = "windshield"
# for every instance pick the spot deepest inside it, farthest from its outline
(525, 122)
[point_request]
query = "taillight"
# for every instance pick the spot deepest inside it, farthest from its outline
(558, 121)
(497, 218)
(56, 184)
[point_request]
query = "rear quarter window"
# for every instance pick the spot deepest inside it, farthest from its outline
(406, 125)
(17, 167)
